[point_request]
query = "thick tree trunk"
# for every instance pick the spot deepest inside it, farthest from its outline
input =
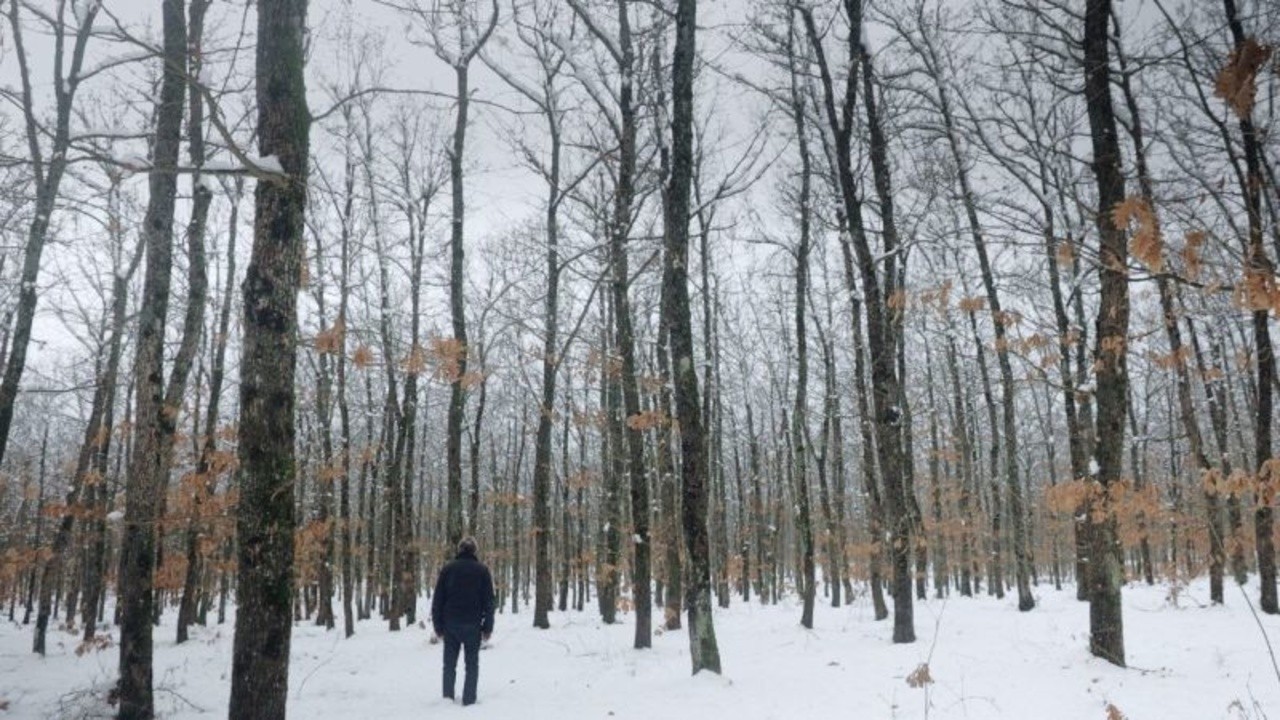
(1106, 572)
(265, 517)
(704, 653)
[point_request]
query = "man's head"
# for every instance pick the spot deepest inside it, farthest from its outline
(467, 546)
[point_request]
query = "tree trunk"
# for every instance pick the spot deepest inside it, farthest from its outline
(546, 410)
(799, 416)
(1259, 272)
(47, 178)
(458, 315)
(879, 291)
(1106, 572)
(156, 419)
(265, 516)
(704, 652)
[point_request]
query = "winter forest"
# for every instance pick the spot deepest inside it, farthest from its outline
(786, 358)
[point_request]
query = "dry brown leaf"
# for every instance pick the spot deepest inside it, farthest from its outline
(1237, 82)
(1191, 259)
(362, 357)
(920, 676)
(1145, 243)
(331, 340)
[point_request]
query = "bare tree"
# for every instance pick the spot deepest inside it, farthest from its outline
(47, 171)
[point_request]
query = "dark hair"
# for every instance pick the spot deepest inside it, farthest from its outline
(467, 545)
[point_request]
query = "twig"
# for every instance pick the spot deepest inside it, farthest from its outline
(1262, 629)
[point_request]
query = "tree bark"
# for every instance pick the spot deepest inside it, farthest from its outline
(1259, 270)
(157, 412)
(265, 516)
(799, 415)
(704, 652)
(1106, 571)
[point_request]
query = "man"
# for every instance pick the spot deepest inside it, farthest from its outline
(462, 614)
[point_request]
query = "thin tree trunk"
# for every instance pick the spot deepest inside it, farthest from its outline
(1259, 273)
(47, 176)
(156, 419)
(799, 416)
(458, 316)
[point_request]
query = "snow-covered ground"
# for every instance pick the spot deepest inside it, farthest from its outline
(986, 659)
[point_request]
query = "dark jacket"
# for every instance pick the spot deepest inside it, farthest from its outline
(464, 595)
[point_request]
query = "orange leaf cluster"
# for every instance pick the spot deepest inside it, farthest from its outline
(920, 676)
(1237, 484)
(1258, 291)
(1269, 482)
(416, 361)
(1237, 82)
(1009, 318)
(580, 480)
(1191, 259)
(938, 298)
(1145, 244)
(647, 420)
(363, 357)
(97, 643)
(308, 547)
(898, 300)
(449, 355)
(1065, 253)
(1112, 345)
(1170, 361)
(331, 340)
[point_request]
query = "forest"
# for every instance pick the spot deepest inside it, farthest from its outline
(835, 308)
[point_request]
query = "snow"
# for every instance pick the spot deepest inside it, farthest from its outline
(987, 660)
(268, 163)
(1093, 467)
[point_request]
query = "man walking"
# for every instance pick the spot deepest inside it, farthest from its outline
(462, 614)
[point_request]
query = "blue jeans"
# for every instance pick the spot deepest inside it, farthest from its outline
(466, 638)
